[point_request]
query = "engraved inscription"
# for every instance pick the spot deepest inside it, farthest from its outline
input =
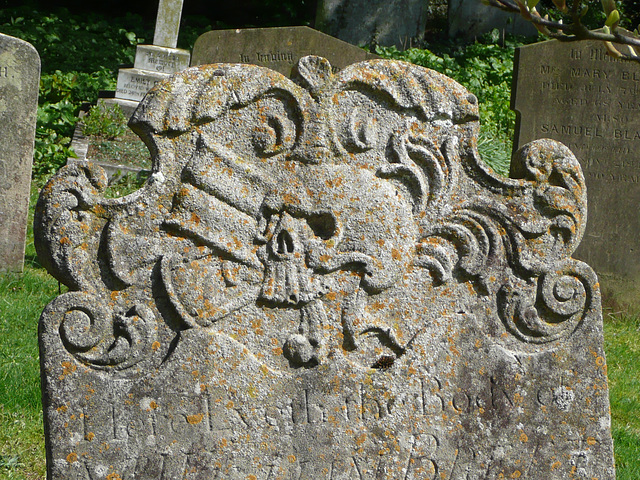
(268, 57)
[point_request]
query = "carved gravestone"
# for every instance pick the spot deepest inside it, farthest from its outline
(589, 101)
(19, 80)
(322, 280)
(153, 62)
(277, 48)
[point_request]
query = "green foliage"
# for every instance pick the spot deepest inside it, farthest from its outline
(73, 43)
(106, 121)
(79, 58)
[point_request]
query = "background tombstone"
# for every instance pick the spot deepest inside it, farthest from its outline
(385, 22)
(153, 62)
(469, 19)
(277, 48)
(577, 94)
(19, 82)
(322, 280)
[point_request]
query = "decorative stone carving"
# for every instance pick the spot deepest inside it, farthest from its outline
(322, 280)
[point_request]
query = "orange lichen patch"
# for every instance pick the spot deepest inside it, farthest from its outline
(331, 296)
(555, 465)
(155, 346)
(62, 409)
(523, 437)
(252, 477)
(68, 368)
(516, 474)
(89, 436)
(65, 241)
(591, 441)
(600, 361)
(195, 419)
(114, 476)
(72, 457)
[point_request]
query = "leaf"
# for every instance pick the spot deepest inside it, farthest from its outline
(531, 4)
(613, 19)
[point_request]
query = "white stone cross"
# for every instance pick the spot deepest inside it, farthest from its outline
(168, 23)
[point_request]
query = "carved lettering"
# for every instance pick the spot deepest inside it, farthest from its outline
(572, 130)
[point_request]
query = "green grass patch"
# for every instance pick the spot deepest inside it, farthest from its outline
(22, 298)
(622, 346)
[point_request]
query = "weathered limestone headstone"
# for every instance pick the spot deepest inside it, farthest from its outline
(469, 19)
(579, 95)
(277, 48)
(385, 22)
(19, 81)
(322, 280)
(154, 62)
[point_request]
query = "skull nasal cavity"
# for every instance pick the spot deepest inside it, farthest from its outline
(285, 243)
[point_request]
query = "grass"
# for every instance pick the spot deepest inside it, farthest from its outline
(622, 346)
(22, 298)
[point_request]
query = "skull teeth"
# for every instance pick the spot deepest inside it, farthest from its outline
(288, 282)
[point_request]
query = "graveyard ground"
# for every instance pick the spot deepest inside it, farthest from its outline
(74, 69)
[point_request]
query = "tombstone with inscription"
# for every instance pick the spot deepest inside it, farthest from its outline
(277, 48)
(19, 81)
(322, 280)
(153, 62)
(588, 100)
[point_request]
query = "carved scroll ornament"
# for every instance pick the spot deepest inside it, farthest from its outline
(337, 187)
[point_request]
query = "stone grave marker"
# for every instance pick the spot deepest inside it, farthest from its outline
(579, 95)
(385, 22)
(19, 81)
(322, 280)
(469, 19)
(277, 48)
(153, 62)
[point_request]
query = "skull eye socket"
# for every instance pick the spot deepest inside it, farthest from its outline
(323, 225)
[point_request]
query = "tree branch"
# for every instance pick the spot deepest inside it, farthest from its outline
(572, 32)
